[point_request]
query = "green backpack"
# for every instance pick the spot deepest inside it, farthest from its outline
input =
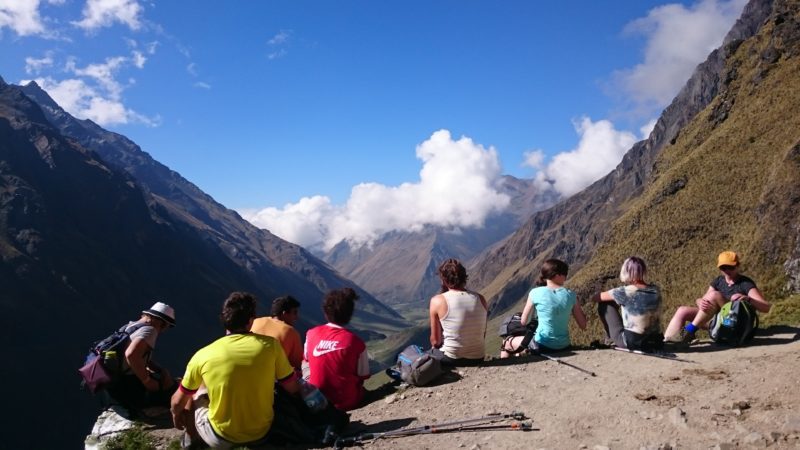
(735, 324)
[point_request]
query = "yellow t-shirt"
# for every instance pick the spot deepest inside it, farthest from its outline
(239, 371)
(285, 334)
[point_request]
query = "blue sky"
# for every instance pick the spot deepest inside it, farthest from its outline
(301, 114)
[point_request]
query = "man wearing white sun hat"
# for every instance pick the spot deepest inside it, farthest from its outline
(143, 383)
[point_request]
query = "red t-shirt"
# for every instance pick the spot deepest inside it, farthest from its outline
(333, 355)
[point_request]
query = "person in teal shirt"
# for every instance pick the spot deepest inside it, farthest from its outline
(553, 304)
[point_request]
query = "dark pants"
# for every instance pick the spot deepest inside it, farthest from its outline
(128, 392)
(612, 322)
(454, 362)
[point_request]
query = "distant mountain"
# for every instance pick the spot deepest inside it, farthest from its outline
(93, 230)
(721, 170)
(400, 267)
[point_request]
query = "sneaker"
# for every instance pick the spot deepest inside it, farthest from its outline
(687, 339)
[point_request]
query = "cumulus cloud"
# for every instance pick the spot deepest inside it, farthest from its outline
(599, 150)
(677, 40)
(94, 91)
(457, 187)
(202, 85)
(104, 13)
(35, 65)
(21, 16)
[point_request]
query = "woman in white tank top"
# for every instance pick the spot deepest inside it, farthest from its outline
(458, 318)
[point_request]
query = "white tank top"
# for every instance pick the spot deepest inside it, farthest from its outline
(464, 325)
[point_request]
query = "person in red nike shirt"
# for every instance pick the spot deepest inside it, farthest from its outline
(337, 358)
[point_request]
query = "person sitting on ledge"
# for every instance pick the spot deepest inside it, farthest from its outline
(631, 314)
(338, 362)
(285, 312)
(553, 305)
(144, 383)
(457, 318)
(728, 286)
(238, 373)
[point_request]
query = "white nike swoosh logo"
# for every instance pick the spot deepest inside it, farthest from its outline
(316, 352)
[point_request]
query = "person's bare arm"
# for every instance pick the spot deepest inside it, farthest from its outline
(526, 313)
(579, 316)
(134, 355)
(604, 296)
(437, 304)
(177, 406)
(758, 301)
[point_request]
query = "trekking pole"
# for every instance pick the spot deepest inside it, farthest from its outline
(553, 358)
(668, 356)
(438, 428)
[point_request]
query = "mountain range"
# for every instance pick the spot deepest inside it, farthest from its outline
(93, 231)
(412, 258)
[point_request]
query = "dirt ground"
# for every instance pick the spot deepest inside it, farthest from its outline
(718, 398)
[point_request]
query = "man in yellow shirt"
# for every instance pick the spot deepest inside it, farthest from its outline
(285, 312)
(239, 372)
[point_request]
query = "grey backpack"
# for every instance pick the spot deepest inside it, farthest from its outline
(417, 367)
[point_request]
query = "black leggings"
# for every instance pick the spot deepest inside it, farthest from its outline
(612, 322)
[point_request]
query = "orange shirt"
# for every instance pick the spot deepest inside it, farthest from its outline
(285, 334)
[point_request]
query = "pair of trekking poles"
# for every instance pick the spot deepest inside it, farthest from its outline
(519, 422)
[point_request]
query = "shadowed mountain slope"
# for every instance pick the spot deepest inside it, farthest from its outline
(86, 245)
(720, 171)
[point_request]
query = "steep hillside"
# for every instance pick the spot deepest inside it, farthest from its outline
(720, 171)
(86, 246)
(275, 267)
(412, 257)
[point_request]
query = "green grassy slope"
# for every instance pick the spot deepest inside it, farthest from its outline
(731, 180)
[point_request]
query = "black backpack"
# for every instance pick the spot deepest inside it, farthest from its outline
(512, 326)
(735, 324)
(108, 353)
(416, 366)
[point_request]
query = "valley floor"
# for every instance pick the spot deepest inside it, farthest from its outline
(724, 398)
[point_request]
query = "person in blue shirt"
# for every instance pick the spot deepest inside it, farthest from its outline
(553, 305)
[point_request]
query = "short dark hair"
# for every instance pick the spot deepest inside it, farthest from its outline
(284, 304)
(237, 311)
(339, 304)
(453, 274)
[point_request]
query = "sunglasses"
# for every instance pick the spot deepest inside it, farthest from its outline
(727, 268)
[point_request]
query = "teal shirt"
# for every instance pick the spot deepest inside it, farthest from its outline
(553, 309)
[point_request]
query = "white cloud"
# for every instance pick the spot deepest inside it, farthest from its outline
(281, 38)
(21, 16)
(94, 93)
(192, 69)
(457, 188)
(138, 59)
(678, 39)
(534, 159)
(104, 13)
(202, 85)
(104, 73)
(277, 54)
(35, 65)
(647, 128)
(600, 149)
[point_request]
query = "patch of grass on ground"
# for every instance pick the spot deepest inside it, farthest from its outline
(133, 439)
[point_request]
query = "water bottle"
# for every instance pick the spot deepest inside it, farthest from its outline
(312, 396)
(110, 359)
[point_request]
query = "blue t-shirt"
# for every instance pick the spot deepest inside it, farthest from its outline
(553, 308)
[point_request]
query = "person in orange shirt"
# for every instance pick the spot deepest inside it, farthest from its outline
(285, 312)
